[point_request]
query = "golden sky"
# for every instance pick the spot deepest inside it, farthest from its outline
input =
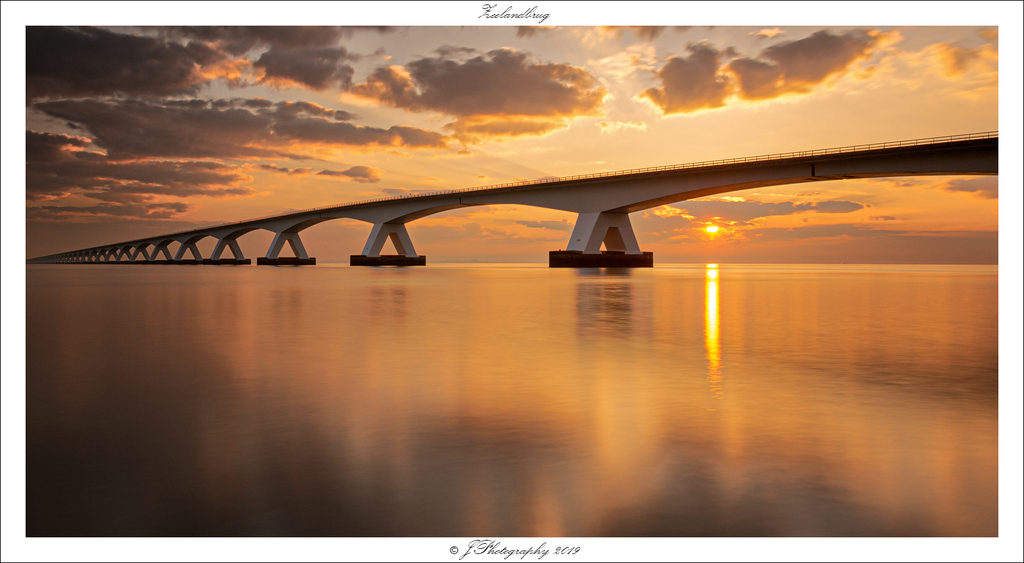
(138, 131)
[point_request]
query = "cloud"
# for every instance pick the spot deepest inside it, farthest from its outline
(75, 62)
(530, 31)
(745, 211)
(703, 80)
(314, 68)
(125, 209)
(955, 59)
(986, 187)
(881, 218)
(450, 51)
(361, 174)
(797, 66)
(562, 225)
(646, 33)
(286, 171)
(691, 83)
(237, 128)
(58, 167)
(769, 33)
(239, 40)
(611, 127)
(52, 147)
(501, 93)
(130, 129)
(818, 231)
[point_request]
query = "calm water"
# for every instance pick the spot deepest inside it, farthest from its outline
(512, 401)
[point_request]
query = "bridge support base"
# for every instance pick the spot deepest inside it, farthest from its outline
(150, 262)
(390, 260)
(227, 261)
(606, 259)
(292, 261)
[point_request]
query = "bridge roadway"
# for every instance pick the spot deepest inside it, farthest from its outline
(602, 201)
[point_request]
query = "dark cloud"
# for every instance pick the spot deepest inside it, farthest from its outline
(503, 82)
(986, 186)
(703, 80)
(881, 218)
(239, 40)
(321, 131)
(57, 168)
(51, 147)
(314, 68)
(96, 177)
(73, 62)
(503, 85)
(361, 174)
(797, 66)
(530, 31)
(288, 110)
(691, 83)
(286, 171)
(130, 129)
(562, 225)
(446, 51)
(138, 208)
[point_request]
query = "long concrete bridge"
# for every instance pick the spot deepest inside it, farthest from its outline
(603, 202)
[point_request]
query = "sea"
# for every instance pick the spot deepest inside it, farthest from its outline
(511, 400)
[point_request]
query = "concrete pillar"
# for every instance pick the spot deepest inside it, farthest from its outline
(612, 229)
(186, 246)
(140, 249)
(227, 242)
(399, 236)
(158, 249)
(293, 241)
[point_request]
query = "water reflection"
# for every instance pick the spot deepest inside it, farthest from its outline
(604, 308)
(465, 402)
(605, 272)
(388, 301)
(712, 341)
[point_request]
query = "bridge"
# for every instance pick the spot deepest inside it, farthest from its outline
(603, 202)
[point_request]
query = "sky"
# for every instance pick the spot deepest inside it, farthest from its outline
(139, 131)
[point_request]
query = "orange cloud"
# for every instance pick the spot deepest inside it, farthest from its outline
(956, 60)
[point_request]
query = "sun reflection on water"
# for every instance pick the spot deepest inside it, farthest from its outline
(712, 341)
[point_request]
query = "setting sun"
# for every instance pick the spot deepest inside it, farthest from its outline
(711, 229)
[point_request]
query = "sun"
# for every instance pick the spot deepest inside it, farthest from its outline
(711, 229)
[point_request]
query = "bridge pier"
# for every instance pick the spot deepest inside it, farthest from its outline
(592, 229)
(229, 242)
(161, 249)
(380, 234)
(273, 258)
(189, 245)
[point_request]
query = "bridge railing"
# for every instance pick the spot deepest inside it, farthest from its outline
(616, 173)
